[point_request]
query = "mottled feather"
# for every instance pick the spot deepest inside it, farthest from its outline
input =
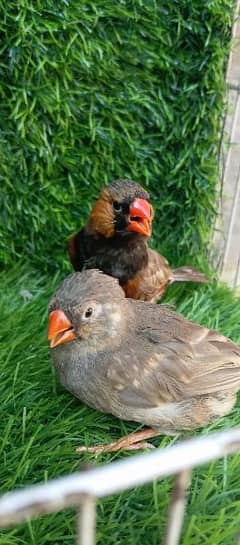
(142, 361)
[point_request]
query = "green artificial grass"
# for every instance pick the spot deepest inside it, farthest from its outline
(91, 92)
(104, 89)
(41, 424)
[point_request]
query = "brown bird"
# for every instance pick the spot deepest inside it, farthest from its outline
(139, 361)
(115, 241)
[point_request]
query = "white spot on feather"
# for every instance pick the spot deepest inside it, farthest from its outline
(115, 319)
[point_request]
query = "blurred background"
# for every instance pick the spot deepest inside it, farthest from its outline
(99, 90)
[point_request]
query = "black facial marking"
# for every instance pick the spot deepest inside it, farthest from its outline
(121, 216)
(124, 192)
(117, 206)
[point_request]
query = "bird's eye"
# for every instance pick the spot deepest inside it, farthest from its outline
(117, 206)
(88, 312)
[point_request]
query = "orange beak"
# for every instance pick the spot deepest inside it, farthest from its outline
(60, 329)
(141, 215)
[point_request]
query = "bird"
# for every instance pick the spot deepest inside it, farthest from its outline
(115, 240)
(138, 361)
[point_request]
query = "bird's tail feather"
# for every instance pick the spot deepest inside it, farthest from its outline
(188, 274)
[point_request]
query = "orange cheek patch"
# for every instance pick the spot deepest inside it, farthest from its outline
(102, 218)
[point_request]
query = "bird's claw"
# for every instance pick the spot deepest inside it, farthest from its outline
(122, 444)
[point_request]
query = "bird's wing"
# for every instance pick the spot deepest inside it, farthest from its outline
(174, 361)
(87, 252)
(151, 282)
(79, 249)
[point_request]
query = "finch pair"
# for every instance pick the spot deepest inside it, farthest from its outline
(134, 359)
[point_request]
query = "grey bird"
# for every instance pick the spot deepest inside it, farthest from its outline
(139, 361)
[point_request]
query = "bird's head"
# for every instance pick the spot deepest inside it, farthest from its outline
(86, 307)
(122, 208)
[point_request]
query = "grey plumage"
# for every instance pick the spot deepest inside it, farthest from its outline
(141, 361)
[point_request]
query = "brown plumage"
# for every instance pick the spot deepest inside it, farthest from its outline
(139, 361)
(115, 241)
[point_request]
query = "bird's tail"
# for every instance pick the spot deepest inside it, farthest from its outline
(188, 274)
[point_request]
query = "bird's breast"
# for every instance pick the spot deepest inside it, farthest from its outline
(83, 375)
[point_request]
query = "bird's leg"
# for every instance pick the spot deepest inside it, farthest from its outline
(133, 441)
